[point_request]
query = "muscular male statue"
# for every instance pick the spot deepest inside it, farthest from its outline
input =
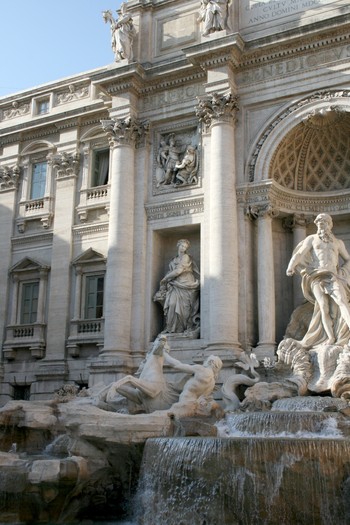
(324, 281)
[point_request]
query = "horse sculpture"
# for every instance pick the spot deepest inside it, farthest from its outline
(149, 391)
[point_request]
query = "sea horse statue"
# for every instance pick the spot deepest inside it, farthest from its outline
(229, 389)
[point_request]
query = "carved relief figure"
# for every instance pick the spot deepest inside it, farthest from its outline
(187, 169)
(179, 294)
(123, 33)
(172, 160)
(325, 284)
(162, 157)
(176, 165)
(213, 14)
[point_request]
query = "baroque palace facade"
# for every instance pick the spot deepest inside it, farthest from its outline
(231, 131)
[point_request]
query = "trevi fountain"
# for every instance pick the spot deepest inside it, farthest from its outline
(270, 446)
(198, 429)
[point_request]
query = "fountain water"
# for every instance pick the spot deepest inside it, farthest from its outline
(247, 480)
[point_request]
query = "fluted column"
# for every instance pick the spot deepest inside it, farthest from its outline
(123, 136)
(217, 114)
(266, 282)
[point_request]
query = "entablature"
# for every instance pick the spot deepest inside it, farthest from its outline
(268, 193)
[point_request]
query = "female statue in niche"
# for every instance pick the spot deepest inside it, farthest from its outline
(179, 294)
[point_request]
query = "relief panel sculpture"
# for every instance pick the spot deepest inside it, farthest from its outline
(177, 162)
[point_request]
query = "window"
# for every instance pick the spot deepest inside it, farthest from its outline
(21, 392)
(100, 167)
(94, 296)
(43, 106)
(37, 190)
(29, 305)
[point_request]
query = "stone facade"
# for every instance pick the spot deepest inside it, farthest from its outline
(90, 216)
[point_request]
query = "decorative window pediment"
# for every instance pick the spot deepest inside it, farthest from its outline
(90, 256)
(27, 265)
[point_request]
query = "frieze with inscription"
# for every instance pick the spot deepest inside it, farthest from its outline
(175, 209)
(172, 96)
(294, 65)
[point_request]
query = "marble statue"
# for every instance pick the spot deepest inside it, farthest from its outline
(187, 169)
(179, 294)
(123, 33)
(213, 14)
(247, 362)
(196, 396)
(148, 388)
(325, 284)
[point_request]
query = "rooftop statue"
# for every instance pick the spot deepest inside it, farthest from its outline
(179, 294)
(213, 14)
(122, 32)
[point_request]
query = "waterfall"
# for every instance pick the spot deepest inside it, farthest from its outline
(245, 481)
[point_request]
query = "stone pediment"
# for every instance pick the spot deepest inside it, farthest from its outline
(89, 256)
(28, 264)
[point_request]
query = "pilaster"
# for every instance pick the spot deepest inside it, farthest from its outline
(124, 136)
(8, 189)
(52, 369)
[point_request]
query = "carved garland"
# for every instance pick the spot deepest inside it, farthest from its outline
(320, 95)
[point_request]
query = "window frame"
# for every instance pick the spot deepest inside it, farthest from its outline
(42, 182)
(32, 285)
(95, 174)
(90, 277)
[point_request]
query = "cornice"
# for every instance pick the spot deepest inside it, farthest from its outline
(258, 52)
(173, 82)
(42, 238)
(90, 229)
(61, 120)
(270, 194)
(213, 53)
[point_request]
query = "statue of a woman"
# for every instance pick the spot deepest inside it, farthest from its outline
(179, 293)
(123, 33)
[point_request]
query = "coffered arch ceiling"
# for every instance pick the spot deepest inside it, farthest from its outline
(315, 155)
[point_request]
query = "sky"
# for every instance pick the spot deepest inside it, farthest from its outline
(46, 40)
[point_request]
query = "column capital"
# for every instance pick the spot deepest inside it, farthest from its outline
(9, 177)
(298, 220)
(66, 164)
(217, 108)
(261, 211)
(126, 131)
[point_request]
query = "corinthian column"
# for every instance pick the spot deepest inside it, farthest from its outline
(217, 114)
(123, 136)
(298, 224)
(266, 282)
